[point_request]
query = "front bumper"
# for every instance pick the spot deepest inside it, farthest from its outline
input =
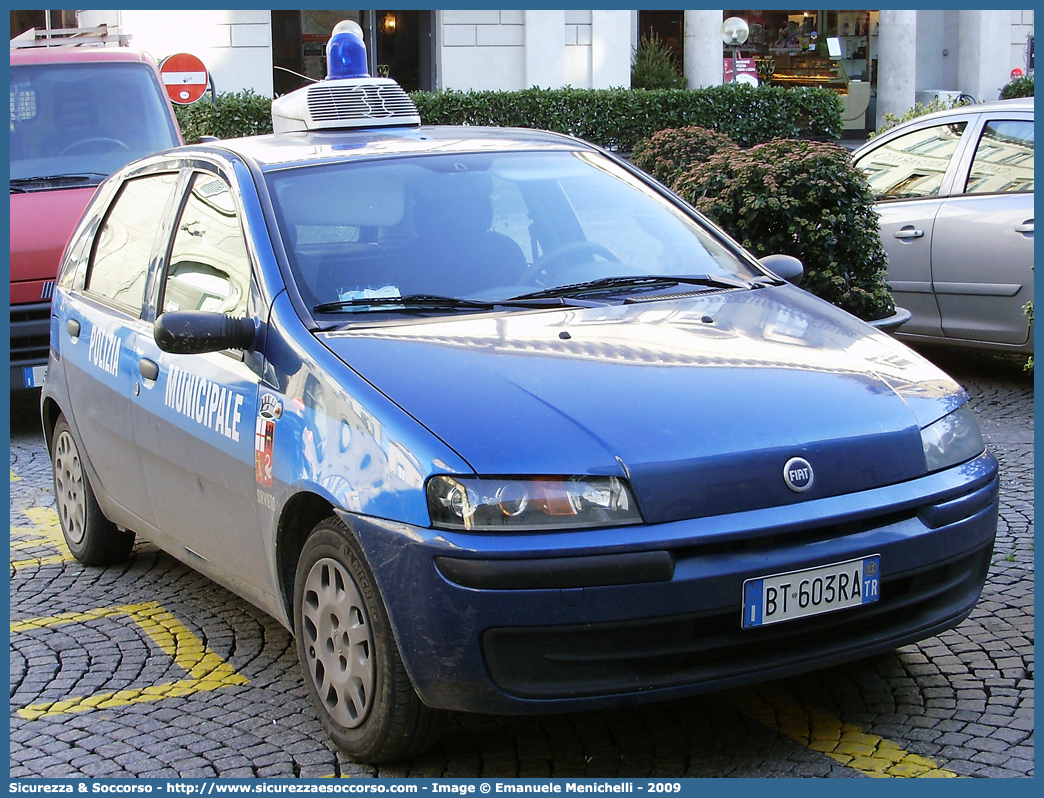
(599, 618)
(30, 341)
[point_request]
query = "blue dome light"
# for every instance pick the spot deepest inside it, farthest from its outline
(345, 52)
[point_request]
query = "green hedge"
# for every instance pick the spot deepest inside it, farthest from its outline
(619, 118)
(1019, 87)
(666, 154)
(613, 118)
(800, 198)
(240, 113)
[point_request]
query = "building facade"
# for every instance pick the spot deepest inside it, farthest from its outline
(904, 56)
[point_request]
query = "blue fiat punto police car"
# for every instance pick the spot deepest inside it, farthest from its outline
(494, 423)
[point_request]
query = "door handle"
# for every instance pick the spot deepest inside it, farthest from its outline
(909, 232)
(149, 369)
(1025, 227)
(73, 326)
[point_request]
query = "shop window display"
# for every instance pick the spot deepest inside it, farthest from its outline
(790, 49)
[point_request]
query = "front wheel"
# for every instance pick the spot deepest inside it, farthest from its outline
(352, 668)
(91, 537)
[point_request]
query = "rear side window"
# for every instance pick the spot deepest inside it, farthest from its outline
(1003, 162)
(912, 166)
(123, 247)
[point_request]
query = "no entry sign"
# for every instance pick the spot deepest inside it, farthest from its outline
(184, 77)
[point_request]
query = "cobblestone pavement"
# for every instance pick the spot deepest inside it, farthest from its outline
(148, 669)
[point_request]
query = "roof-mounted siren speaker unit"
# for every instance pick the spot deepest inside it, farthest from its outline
(348, 97)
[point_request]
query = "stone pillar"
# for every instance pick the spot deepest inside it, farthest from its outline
(610, 49)
(703, 48)
(545, 49)
(896, 63)
(984, 66)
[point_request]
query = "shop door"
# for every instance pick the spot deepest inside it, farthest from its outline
(399, 45)
(404, 47)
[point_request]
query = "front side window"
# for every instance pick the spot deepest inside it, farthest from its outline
(123, 246)
(1003, 162)
(913, 165)
(481, 226)
(209, 268)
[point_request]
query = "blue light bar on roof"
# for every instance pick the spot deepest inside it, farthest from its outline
(346, 52)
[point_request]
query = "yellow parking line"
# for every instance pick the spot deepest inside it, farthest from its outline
(46, 531)
(206, 670)
(843, 742)
(15, 477)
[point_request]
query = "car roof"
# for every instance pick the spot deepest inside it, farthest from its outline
(1019, 104)
(69, 54)
(289, 149)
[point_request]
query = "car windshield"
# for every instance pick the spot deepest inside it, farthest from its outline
(486, 227)
(77, 123)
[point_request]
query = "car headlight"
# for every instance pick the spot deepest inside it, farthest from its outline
(952, 439)
(474, 503)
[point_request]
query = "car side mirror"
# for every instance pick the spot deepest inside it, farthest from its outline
(786, 267)
(193, 332)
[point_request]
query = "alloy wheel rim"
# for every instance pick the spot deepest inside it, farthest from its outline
(338, 643)
(69, 492)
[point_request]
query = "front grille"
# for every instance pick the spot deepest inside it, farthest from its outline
(30, 333)
(633, 656)
(341, 103)
(752, 540)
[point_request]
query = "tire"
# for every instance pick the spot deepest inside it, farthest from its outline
(352, 668)
(91, 537)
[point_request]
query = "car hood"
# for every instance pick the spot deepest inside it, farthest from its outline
(41, 224)
(699, 402)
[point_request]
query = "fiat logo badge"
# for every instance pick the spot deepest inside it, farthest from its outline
(797, 473)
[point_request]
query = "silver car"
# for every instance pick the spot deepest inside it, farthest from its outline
(954, 191)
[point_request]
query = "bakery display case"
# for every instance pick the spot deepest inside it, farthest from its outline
(791, 46)
(808, 70)
(790, 49)
(825, 73)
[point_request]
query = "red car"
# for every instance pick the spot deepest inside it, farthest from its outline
(78, 113)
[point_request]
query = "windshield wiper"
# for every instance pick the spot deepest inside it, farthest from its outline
(616, 285)
(435, 302)
(18, 183)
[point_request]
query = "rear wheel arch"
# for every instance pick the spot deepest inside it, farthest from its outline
(90, 536)
(50, 412)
